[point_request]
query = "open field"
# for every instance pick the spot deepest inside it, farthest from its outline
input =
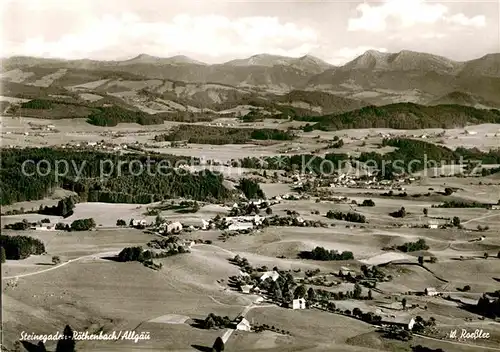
(90, 292)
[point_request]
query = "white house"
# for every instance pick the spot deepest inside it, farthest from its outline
(344, 271)
(189, 243)
(405, 322)
(240, 226)
(173, 227)
(257, 220)
(43, 228)
(141, 222)
(256, 201)
(433, 225)
(201, 224)
(299, 303)
(241, 273)
(272, 274)
(259, 299)
(243, 325)
(431, 291)
(246, 288)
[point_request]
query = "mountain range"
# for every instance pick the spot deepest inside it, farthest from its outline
(306, 84)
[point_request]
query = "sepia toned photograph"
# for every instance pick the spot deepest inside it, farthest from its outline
(250, 176)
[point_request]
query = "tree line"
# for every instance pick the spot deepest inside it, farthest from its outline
(320, 253)
(127, 185)
(408, 116)
(222, 135)
(350, 216)
(21, 247)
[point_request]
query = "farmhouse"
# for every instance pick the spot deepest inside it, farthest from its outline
(138, 223)
(243, 325)
(272, 274)
(240, 226)
(246, 288)
(405, 322)
(173, 227)
(299, 303)
(196, 223)
(495, 207)
(433, 225)
(43, 228)
(431, 291)
(344, 271)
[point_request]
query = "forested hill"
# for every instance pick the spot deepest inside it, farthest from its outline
(118, 184)
(406, 116)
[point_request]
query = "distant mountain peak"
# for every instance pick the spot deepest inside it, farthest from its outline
(174, 60)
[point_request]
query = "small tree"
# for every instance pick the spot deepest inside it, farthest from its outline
(403, 303)
(209, 323)
(370, 295)
(3, 257)
(421, 260)
(269, 211)
(300, 292)
(311, 294)
(120, 222)
(357, 291)
(456, 221)
(485, 255)
(158, 220)
(56, 260)
(218, 345)
(67, 342)
(433, 260)
(498, 255)
(426, 212)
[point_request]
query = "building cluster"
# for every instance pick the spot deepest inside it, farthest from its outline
(345, 180)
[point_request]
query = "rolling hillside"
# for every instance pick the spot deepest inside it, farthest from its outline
(407, 116)
(274, 85)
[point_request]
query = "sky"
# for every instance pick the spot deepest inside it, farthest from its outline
(218, 31)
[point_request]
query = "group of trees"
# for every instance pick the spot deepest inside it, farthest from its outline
(112, 115)
(461, 204)
(21, 247)
(401, 213)
(310, 163)
(38, 104)
(63, 208)
(158, 249)
(83, 224)
(406, 116)
(350, 216)
(124, 181)
(367, 203)
(251, 188)
(213, 321)
(222, 135)
(320, 253)
(419, 245)
(19, 226)
(489, 307)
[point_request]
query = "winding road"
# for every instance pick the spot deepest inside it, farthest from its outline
(98, 255)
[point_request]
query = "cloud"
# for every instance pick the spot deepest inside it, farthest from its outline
(215, 35)
(347, 54)
(462, 20)
(408, 13)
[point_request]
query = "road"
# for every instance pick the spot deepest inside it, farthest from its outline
(459, 343)
(243, 313)
(490, 214)
(60, 265)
